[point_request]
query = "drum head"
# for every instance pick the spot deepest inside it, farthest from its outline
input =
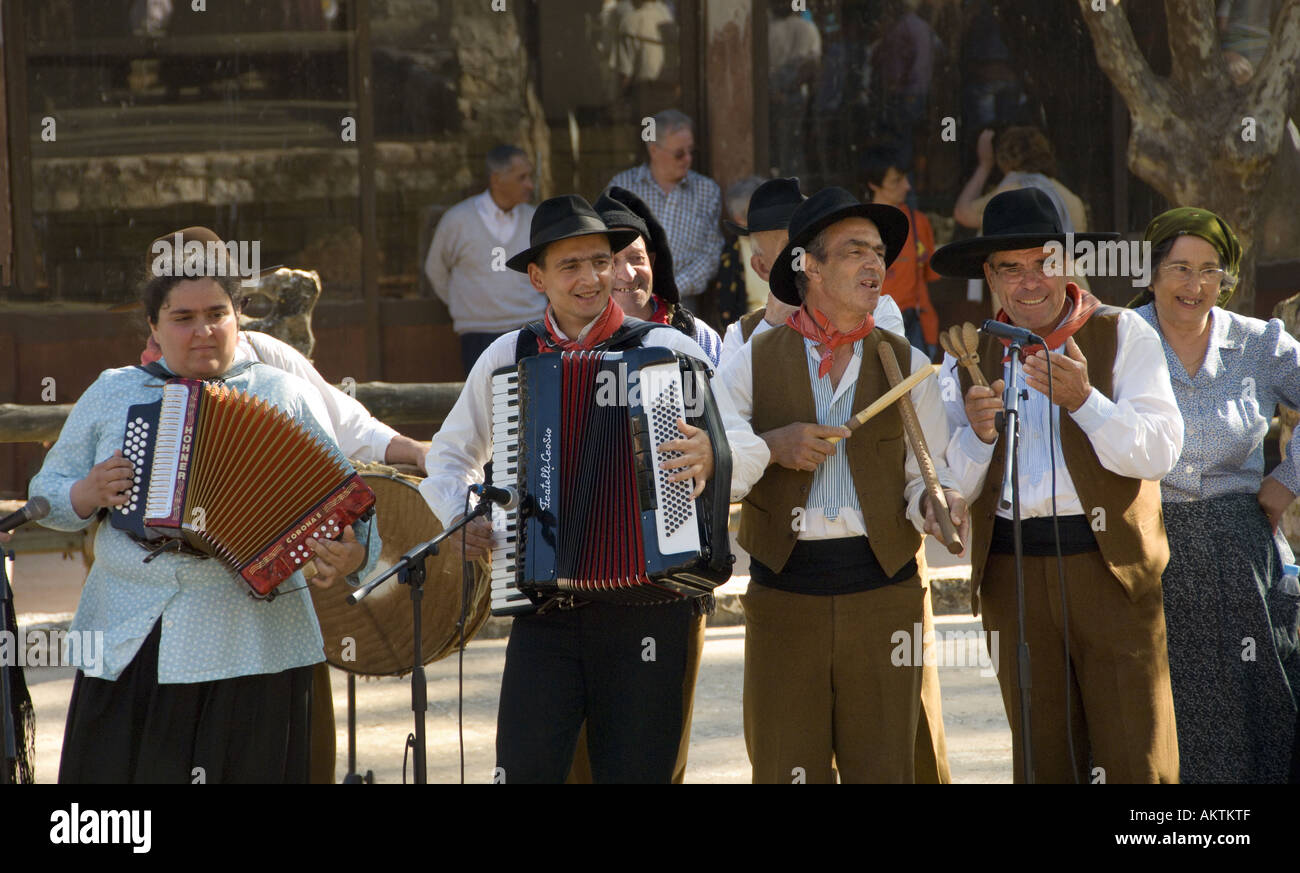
(374, 637)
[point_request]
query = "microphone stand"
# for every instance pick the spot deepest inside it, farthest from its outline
(410, 570)
(9, 770)
(1010, 499)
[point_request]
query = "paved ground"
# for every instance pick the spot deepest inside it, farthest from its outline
(979, 744)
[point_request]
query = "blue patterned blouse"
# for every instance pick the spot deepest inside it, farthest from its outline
(1250, 367)
(211, 627)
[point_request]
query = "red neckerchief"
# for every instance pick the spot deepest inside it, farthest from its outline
(660, 315)
(600, 329)
(1084, 306)
(814, 325)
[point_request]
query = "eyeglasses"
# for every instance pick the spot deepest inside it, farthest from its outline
(1014, 274)
(1213, 277)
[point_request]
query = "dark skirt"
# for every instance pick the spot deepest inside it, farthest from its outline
(250, 729)
(1231, 632)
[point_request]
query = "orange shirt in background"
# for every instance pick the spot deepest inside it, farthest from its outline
(909, 275)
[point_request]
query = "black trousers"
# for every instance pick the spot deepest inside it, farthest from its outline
(620, 668)
(249, 730)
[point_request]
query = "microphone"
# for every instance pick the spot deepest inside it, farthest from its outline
(33, 510)
(507, 498)
(1011, 333)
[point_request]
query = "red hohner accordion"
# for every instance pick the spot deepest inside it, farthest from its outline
(237, 479)
(577, 434)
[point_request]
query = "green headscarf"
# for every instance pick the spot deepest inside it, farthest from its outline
(1197, 222)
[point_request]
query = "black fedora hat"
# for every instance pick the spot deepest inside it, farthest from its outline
(770, 207)
(618, 208)
(819, 212)
(1023, 218)
(564, 218)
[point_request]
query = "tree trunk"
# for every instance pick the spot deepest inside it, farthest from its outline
(1197, 138)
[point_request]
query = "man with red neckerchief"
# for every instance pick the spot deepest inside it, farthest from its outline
(1118, 431)
(567, 665)
(833, 529)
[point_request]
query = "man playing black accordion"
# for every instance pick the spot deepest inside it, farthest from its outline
(619, 667)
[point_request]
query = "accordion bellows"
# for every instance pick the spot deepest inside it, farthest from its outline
(237, 479)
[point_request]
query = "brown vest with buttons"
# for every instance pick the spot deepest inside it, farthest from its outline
(749, 321)
(1125, 513)
(877, 452)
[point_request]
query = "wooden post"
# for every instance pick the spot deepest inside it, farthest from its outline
(363, 87)
(18, 244)
(729, 71)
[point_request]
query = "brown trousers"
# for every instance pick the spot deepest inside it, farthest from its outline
(821, 690)
(580, 773)
(1122, 708)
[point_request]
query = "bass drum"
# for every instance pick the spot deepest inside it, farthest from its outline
(375, 637)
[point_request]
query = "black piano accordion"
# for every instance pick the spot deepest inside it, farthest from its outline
(577, 434)
(237, 479)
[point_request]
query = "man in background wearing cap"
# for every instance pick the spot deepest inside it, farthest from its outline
(565, 665)
(832, 530)
(1117, 432)
(770, 208)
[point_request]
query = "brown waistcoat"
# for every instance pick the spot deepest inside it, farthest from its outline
(749, 321)
(1125, 513)
(877, 452)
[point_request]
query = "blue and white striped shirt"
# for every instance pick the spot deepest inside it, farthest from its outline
(832, 486)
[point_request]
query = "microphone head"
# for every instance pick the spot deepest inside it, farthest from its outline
(513, 502)
(37, 508)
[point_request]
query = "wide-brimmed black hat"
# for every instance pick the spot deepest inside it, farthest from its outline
(819, 212)
(619, 207)
(1023, 218)
(564, 218)
(770, 207)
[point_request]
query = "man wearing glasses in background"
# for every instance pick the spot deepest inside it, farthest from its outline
(687, 204)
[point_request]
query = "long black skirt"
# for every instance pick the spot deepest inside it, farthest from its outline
(1231, 633)
(250, 729)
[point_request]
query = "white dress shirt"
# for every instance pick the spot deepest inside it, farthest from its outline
(1138, 434)
(736, 376)
(464, 444)
(360, 435)
(887, 315)
(500, 224)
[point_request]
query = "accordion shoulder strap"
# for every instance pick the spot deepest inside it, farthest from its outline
(158, 371)
(629, 336)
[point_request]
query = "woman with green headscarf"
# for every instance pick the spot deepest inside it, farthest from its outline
(1231, 623)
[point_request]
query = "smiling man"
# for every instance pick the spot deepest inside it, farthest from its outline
(687, 204)
(567, 665)
(1117, 432)
(833, 529)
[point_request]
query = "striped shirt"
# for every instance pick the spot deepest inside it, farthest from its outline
(708, 340)
(689, 214)
(832, 486)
